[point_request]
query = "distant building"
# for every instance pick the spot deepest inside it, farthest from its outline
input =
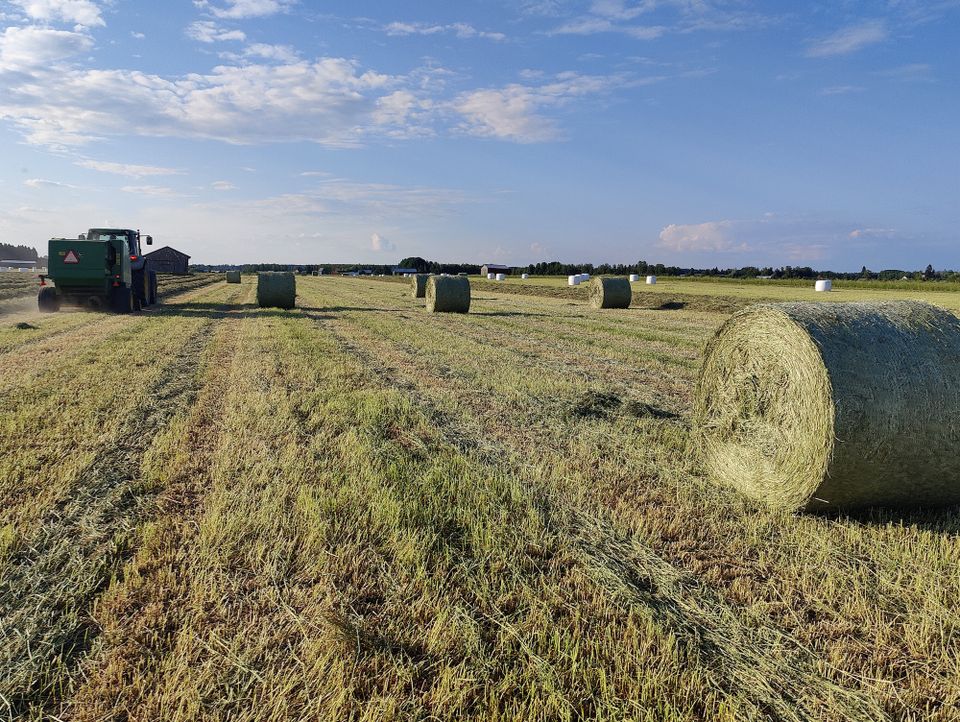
(168, 260)
(493, 268)
(18, 264)
(403, 271)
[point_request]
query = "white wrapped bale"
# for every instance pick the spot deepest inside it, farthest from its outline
(573, 280)
(651, 280)
(524, 276)
(501, 277)
(491, 276)
(823, 285)
(634, 277)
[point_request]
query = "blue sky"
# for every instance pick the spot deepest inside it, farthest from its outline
(689, 132)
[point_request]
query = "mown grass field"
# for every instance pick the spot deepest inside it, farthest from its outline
(356, 510)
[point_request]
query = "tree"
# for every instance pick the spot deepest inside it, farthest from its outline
(929, 272)
(420, 264)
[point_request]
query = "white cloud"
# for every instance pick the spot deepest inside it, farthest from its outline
(315, 173)
(44, 183)
(240, 9)
(36, 47)
(223, 186)
(538, 247)
(127, 169)
(137, 36)
(513, 112)
(280, 53)
(594, 25)
(207, 31)
(461, 30)
(714, 236)
(381, 244)
(330, 102)
(81, 12)
(849, 39)
(152, 191)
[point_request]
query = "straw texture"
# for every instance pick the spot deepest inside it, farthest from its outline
(610, 293)
(276, 288)
(418, 285)
(813, 407)
(233, 276)
(448, 294)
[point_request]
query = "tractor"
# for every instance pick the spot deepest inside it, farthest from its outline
(102, 269)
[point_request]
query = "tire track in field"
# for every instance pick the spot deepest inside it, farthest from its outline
(769, 668)
(53, 578)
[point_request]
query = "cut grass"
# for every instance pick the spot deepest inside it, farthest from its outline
(370, 512)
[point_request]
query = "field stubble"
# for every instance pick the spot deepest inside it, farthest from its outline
(360, 510)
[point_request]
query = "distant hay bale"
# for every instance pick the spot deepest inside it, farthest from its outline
(820, 406)
(501, 277)
(276, 289)
(524, 276)
(634, 277)
(233, 276)
(491, 276)
(823, 285)
(651, 280)
(573, 280)
(610, 293)
(448, 294)
(418, 285)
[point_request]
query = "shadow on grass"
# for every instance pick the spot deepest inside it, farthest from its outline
(943, 521)
(509, 313)
(222, 310)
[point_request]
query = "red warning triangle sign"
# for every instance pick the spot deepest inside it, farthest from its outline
(71, 257)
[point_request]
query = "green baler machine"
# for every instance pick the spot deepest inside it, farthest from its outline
(103, 268)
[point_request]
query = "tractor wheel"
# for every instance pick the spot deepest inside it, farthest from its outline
(121, 299)
(48, 300)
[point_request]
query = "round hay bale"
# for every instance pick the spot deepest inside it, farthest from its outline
(418, 285)
(233, 276)
(651, 280)
(448, 294)
(610, 293)
(821, 406)
(276, 289)
(491, 276)
(501, 277)
(823, 285)
(573, 280)
(524, 276)
(634, 277)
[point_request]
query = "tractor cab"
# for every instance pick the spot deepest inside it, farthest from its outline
(132, 237)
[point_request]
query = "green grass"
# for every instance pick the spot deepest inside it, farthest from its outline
(358, 510)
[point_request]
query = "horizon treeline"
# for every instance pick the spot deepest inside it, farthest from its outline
(556, 268)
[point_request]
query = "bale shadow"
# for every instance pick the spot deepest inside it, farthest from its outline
(220, 310)
(671, 306)
(943, 521)
(335, 309)
(509, 313)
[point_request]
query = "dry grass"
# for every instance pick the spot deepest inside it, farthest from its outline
(356, 510)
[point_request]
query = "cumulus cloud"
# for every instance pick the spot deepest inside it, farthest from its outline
(280, 53)
(714, 236)
(24, 48)
(329, 101)
(207, 31)
(379, 243)
(240, 9)
(81, 12)
(461, 30)
(127, 169)
(514, 112)
(849, 39)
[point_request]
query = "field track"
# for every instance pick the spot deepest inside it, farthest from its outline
(357, 510)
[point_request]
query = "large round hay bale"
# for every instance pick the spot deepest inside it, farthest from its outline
(276, 289)
(573, 280)
(448, 294)
(820, 406)
(233, 276)
(610, 292)
(824, 285)
(651, 280)
(418, 284)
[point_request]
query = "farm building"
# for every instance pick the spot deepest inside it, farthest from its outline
(397, 271)
(493, 268)
(168, 260)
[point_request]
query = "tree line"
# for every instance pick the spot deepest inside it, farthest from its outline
(556, 268)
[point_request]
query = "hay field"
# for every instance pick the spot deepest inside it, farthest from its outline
(358, 510)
